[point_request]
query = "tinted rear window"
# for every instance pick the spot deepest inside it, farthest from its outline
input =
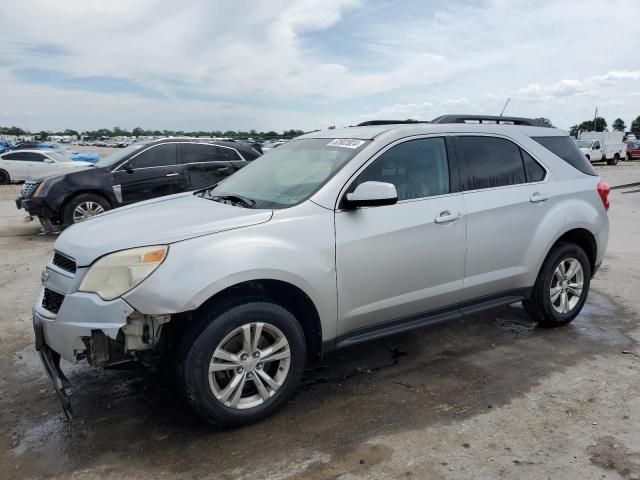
(566, 149)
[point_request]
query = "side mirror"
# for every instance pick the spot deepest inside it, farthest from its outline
(48, 160)
(372, 194)
(127, 167)
(597, 147)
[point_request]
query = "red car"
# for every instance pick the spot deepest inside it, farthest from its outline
(633, 149)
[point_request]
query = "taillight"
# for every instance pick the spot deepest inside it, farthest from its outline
(603, 191)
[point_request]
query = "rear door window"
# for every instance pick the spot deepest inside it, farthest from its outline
(533, 170)
(158, 156)
(566, 149)
(489, 162)
(199, 153)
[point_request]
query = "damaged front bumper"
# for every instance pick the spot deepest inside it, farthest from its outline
(103, 332)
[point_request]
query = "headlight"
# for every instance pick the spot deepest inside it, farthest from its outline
(40, 189)
(45, 186)
(117, 273)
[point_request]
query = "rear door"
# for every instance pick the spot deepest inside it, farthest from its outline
(154, 172)
(205, 164)
(506, 199)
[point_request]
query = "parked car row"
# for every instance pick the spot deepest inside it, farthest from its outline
(139, 172)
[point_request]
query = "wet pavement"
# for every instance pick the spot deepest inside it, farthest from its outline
(489, 396)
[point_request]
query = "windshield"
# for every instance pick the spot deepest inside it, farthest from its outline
(119, 155)
(289, 174)
(584, 143)
(59, 157)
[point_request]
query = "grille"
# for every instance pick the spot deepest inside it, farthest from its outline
(52, 300)
(65, 263)
(27, 189)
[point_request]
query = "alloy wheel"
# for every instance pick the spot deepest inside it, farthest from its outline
(566, 285)
(86, 210)
(249, 365)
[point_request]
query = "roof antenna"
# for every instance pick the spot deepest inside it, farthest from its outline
(505, 106)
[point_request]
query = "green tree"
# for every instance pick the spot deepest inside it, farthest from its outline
(138, 132)
(70, 132)
(587, 125)
(43, 135)
(618, 124)
(573, 131)
(230, 133)
(635, 125)
(545, 121)
(332, 127)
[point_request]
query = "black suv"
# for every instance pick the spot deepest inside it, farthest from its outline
(139, 172)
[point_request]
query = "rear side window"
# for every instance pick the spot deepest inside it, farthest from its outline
(196, 153)
(488, 162)
(228, 154)
(158, 156)
(567, 150)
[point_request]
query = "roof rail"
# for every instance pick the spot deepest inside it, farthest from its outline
(488, 119)
(386, 122)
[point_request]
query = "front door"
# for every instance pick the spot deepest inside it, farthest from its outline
(154, 172)
(401, 260)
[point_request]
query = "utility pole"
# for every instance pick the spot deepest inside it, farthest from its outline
(595, 116)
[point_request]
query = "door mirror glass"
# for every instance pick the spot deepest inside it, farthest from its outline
(47, 160)
(372, 194)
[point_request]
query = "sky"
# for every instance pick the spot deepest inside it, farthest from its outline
(308, 64)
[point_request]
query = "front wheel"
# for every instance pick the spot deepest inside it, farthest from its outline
(5, 178)
(561, 287)
(244, 364)
(83, 207)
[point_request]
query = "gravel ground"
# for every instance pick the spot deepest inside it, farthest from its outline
(491, 396)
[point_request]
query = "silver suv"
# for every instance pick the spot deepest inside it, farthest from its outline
(336, 238)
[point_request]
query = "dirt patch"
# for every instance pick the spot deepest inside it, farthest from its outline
(611, 454)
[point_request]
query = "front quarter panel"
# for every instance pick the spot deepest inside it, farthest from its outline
(296, 246)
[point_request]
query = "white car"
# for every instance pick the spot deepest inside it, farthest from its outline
(18, 165)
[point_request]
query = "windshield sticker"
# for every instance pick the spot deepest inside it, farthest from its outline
(345, 143)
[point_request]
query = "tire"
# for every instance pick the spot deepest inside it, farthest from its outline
(5, 178)
(213, 395)
(614, 160)
(540, 307)
(92, 203)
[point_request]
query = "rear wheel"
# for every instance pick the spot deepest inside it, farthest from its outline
(5, 179)
(243, 364)
(84, 206)
(614, 160)
(561, 287)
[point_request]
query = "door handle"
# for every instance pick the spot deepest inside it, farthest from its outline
(172, 174)
(537, 197)
(447, 217)
(223, 169)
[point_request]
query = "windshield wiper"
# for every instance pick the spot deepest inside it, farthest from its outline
(247, 202)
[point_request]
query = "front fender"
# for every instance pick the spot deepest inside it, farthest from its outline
(298, 250)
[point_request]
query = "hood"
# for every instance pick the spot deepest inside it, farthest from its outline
(69, 169)
(159, 221)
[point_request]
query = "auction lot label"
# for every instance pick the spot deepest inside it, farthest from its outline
(345, 143)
